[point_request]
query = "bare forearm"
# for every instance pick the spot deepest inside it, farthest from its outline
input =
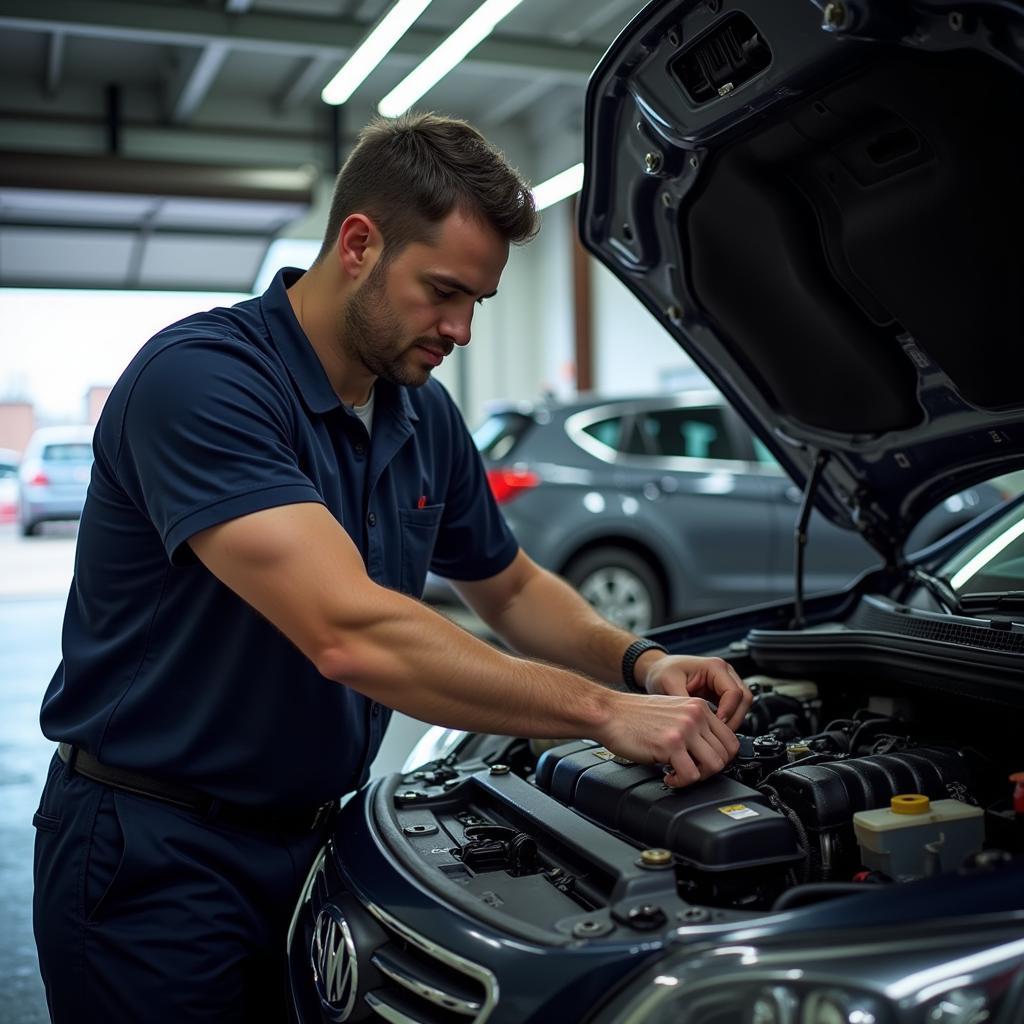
(287, 562)
(406, 656)
(547, 619)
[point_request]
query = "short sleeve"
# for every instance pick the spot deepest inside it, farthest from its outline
(474, 541)
(207, 436)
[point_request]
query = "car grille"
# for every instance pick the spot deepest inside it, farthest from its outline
(413, 979)
(424, 983)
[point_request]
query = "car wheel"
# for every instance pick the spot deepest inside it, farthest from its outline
(620, 586)
(29, 529)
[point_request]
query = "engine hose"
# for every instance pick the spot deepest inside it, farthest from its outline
(798, 827)
(816, 892)
(869, 726)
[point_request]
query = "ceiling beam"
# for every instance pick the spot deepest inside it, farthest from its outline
(54, 63)
(599, 18)
(278, 33)
(237, 6)
(518, 101)
(156, 177)
(313, 74)
(193, 81)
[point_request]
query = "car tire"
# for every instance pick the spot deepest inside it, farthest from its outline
(621, 586)
(29, 529)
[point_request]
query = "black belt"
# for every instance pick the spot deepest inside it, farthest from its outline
(208, 807)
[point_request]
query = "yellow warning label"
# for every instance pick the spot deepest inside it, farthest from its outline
(607, 755)
(739, 811)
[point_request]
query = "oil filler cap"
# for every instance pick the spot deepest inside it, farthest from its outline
(910, 803)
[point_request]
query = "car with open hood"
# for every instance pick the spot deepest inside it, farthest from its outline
(820, 202)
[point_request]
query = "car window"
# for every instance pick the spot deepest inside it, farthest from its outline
(992, 562)
(7, 471)
(692, 433)
(67, 452)
(498, 434)
(763, 456)
(608, 432)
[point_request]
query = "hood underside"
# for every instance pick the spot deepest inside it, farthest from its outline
(822, 203)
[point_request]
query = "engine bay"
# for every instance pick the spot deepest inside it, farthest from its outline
(570, 839)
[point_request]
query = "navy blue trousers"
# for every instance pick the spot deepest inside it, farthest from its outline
(143, 912)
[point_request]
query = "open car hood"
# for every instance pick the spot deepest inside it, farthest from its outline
(824, 204)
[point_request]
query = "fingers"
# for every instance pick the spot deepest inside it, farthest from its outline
(733, 695)
(704, 754)
(684, 771)
(733, 707)
(700, 761)
(711, 678)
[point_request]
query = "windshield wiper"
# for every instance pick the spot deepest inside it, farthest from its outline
(993, 601)
(941, 589)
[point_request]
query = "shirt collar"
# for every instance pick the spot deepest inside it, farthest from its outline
(294, 347)
(300, 357)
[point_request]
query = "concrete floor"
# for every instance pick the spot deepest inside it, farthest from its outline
(34, 578)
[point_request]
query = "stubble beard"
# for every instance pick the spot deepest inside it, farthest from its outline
(371, 332)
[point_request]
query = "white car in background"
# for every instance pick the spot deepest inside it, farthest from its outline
(54, 476)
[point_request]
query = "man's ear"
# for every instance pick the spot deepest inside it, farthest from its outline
(359, 245)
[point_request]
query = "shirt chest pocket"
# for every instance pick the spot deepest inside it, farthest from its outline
(419, 534)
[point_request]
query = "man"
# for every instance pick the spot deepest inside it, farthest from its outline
(271, 481)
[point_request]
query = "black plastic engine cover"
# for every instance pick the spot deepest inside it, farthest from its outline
(827, 795)
(716, 825)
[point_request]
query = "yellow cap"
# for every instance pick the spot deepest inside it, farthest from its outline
(910, 803)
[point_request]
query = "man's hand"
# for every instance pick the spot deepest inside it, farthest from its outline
(681, 733)
(713, 679)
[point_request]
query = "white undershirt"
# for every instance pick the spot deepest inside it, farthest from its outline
(365, 413)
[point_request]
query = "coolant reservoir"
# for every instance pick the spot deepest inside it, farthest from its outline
(914, 836)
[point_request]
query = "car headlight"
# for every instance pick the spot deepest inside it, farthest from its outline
(970, 975)
(434, 745)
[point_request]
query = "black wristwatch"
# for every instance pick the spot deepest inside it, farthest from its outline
(629, 660)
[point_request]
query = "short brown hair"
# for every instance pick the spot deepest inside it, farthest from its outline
(409, 173)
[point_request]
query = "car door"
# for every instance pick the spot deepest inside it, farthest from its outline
(834, 555)
(716, 503)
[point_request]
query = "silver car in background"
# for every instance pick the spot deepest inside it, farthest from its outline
(54, 476)
(662, 507)
(8, 485)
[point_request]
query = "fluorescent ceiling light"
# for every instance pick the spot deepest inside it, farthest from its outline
(373, 49)
(477, 27)
(987, 553)
(560, 187)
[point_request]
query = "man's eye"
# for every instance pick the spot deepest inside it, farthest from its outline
(441, 294)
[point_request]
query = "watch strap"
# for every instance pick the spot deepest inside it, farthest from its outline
(629, 660)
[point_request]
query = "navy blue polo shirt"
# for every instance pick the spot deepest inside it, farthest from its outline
(165, 670)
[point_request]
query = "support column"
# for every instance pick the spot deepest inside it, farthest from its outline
(581, 292)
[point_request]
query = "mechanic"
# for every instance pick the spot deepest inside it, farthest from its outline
(272, 482)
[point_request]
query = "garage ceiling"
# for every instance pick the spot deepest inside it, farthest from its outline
(166, 143)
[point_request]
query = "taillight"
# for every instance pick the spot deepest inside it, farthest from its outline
(40, 479)
(507, 484)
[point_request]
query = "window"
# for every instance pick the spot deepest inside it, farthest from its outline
(691, 433)
(992, 562)
(608, 432)
(498, 434)
(67, 452)
(763, 456)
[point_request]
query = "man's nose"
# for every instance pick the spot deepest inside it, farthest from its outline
(457, 327)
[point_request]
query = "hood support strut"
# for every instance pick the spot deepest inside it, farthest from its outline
(800, 534)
